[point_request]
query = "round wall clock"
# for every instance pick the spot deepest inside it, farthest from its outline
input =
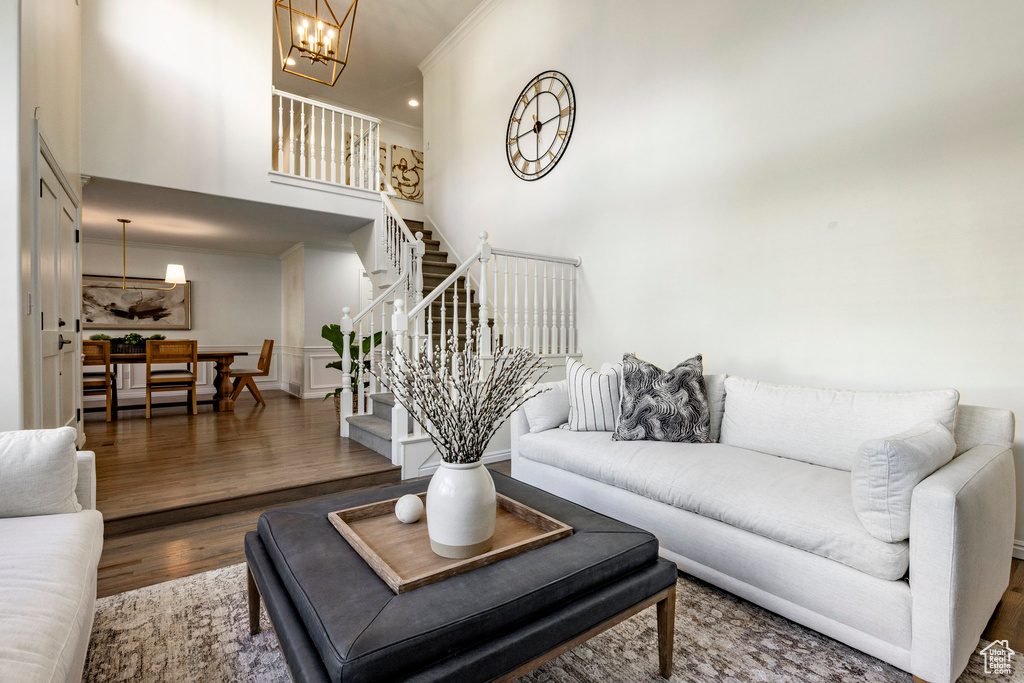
(540, 125)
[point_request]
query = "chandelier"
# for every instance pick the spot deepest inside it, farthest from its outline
(175, 273)
(312, 42)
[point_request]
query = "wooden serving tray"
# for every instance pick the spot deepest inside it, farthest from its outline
(400, 553)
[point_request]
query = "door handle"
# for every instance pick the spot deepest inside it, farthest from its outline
(62, 342)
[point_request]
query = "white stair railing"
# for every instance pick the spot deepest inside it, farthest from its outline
(371, 323)
(394, 234)
(522, 299)
(319, 141)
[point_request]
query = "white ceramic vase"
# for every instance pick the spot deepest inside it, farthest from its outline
(461, 507)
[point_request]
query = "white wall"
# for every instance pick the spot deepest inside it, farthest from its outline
(50, 91)
(236, 298)
(11, 310)
(317, 284)
(177, 93)
(824, 193)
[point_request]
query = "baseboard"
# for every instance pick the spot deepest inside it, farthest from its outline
(1018, 549)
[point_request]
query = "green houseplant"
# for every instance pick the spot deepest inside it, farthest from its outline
(333, 334)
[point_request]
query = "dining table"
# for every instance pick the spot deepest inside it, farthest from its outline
(222, 361)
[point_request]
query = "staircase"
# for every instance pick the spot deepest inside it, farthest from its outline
(526, 300)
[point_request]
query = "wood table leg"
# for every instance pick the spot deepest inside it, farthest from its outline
(222, 398)
(254, 603)
(666, 632)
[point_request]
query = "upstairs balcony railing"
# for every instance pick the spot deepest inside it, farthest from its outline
(320, 141)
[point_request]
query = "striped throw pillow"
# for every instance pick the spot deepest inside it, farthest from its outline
(593, 396)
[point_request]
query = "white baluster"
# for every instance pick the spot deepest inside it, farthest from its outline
(362, 155)
(430, 332)
(311, 140)
(291, 136)
(280, 133)
(562, 340)
(346, 369)
(506, 339)
(444, 330)
(323, 143)
(417, 284)
(376, 156)
(334, 144)
(469, 306)
(536, 308)
(494, 293)
(545, 339)
(352, 151)
(302, 140)
(484, 335)
(572, 310)
(455, 311)
(516, 337)
(399, 414)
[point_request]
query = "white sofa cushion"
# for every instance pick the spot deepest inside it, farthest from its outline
(38, 472)
(824, 426)
(802, 505)
(716, 402)
(47, 592)
(549, 409)
(886, 471)
(593, 396)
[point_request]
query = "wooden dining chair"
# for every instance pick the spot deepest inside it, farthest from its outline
(165, 351)
(244, 378)
(96, 354)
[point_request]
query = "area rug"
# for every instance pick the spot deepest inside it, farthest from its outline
(196, 629)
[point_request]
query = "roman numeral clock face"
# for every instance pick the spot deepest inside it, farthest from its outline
(540, 125)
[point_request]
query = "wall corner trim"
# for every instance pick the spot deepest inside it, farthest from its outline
(457, 34)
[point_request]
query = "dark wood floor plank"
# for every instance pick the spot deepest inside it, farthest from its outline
(177, 459)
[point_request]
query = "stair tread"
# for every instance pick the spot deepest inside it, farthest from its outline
(386, 398)
(377, 426)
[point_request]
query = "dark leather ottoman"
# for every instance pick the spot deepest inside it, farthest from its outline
(337, 621)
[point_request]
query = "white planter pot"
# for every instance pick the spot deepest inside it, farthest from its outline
(461, 507)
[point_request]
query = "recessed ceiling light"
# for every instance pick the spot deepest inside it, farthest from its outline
(413, 103)
(291, 62)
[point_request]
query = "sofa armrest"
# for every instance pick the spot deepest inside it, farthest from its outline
(962, 521)
(518, 425)
(85, 490)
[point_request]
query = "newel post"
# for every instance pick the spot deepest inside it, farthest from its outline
(346, 369)
(399, 414)
(484, 328)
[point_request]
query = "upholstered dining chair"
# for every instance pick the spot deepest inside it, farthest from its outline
(165, 351)
(245, 378)
(96, 354)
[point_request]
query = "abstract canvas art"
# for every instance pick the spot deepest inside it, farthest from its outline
(407, 173)
(143, 305)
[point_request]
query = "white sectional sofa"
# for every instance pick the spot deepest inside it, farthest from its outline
(51, 537)
(767, 512)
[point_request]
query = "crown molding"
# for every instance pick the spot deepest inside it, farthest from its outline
(457, 34)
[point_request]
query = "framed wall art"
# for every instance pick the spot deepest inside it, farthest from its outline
(143, 304)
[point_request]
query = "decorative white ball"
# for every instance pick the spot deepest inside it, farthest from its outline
(409, 509)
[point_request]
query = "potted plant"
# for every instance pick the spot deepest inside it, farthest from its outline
(461, 404)
(333, 334)
(133, 342)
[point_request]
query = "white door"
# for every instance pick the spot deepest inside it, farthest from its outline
(56, 226)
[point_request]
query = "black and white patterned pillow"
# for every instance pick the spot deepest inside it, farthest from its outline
(663, 406)
(593, 396)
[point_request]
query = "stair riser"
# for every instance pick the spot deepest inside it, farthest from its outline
(382, 410)
(371, 441)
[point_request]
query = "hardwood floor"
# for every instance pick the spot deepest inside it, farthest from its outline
(179, 491)
(268, 457)
(177, 460)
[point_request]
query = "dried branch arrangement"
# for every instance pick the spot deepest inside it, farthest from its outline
(459, 404)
